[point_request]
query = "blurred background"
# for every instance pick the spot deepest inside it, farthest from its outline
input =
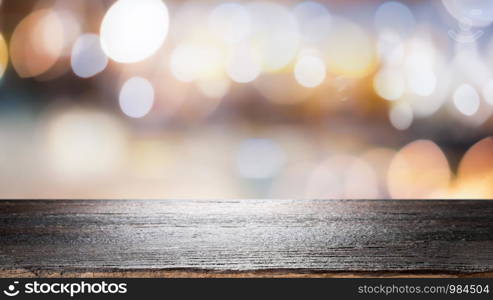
(213, 99)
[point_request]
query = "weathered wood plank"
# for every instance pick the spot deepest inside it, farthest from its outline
(245, 237)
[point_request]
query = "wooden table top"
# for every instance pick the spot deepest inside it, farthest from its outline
(238, 238)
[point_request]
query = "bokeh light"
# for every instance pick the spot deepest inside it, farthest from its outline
(214, 88)
(466, 99)
(88, 58)
(488, 92)
(134, 30)
(379, 159)
(419, 66)
(183, 62)
(244, 64)
(343, 177)
(84, 144)
(389, 84)
(192, 61)
(282, 89)
(37, 43)
(422, 82)
(401, 116)
(71, 24)
(275, 34)
(231, 22)
(395, 17)
(4, 56)
(314, 21)
(419, 170)
(310, 71)
(136, 97)
(300, 99)
(391, 49)
(476, 163)
(477, 12)
(475, 173)
(349, 49)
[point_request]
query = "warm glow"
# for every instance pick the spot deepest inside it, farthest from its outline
(37, 43)
(4, 56)
(244, 64)
(350, 50)
(262, 98)
(85, 144)
(419, 170)
(475, 174)
(184, 58)
(231, 22)
(310, 71)
(389, 84)
(193, 61)
(133, 30)
(379, 159)
(282, 89)
(214, 88)
(343, 177)
(275, 34)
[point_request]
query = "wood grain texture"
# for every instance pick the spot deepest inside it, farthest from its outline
(246, 238)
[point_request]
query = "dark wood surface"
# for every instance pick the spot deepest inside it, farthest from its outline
(246, 238)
